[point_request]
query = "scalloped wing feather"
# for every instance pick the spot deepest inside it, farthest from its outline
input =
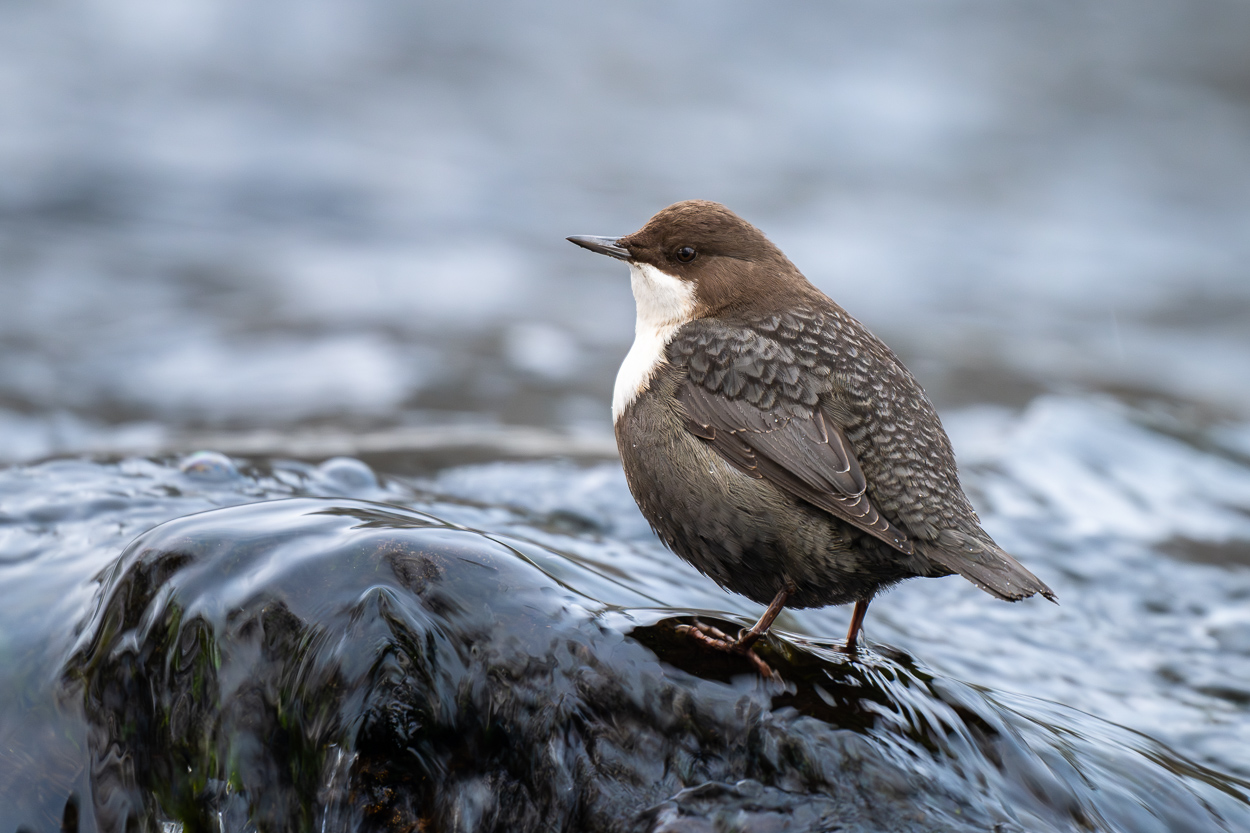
(809, 458)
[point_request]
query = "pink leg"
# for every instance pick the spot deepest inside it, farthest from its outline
(857, 624)
(749, 637)
(716, 638)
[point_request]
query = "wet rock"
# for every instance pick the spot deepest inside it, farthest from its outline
(338, 664)
(746, 806)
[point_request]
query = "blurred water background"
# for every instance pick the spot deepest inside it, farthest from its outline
(231, 215)
(320, 228)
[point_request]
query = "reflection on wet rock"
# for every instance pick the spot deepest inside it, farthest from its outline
(337, 664)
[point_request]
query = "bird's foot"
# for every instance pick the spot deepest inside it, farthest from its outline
(714, 637)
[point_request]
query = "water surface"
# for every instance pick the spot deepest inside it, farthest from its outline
(492, 647)
(298, 232)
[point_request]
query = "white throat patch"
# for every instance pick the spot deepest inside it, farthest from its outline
(664, 304)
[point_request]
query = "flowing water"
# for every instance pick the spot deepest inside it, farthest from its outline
(307, 646)
(311, 517)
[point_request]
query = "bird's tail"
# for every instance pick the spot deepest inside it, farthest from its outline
(984, 563)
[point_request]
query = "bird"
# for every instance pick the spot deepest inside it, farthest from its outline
(772, 441)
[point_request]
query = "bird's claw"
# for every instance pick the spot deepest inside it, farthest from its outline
(714, 637)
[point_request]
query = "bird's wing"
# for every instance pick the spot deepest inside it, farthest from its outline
(798, 450)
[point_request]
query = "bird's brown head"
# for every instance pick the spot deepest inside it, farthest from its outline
(726, 262)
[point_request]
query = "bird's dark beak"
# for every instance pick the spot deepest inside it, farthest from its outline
(603, 245)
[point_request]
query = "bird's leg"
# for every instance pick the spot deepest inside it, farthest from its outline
(748, 637)
(857, 624)
(716, 638)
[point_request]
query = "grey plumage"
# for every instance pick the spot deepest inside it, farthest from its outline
(778, 445)
(812, 403)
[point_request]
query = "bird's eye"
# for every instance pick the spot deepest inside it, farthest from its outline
(685, 254)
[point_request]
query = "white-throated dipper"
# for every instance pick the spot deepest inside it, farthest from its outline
(775, 443)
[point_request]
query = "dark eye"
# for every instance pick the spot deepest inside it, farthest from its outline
(685, 254)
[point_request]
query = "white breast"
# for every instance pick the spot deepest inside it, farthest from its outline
(664, 304)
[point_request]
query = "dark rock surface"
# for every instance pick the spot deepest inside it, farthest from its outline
(339, 664)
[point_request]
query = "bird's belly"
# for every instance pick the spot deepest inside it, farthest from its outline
(743, 532)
